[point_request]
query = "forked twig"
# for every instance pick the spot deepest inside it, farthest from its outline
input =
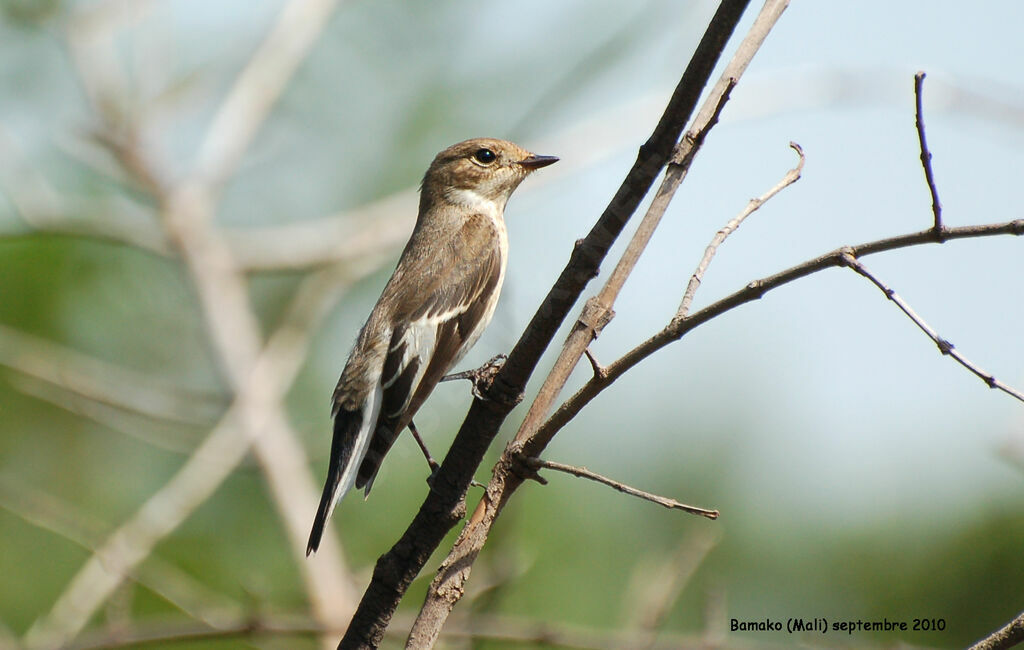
(791, 177)
(945, 347)
(582, 472)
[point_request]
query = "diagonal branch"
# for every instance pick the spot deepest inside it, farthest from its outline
(209, 465)
(104, 382)
(791, 177)
(1006, 637)
(158, 575)
(258, 377)
(258, 88)
(945, 347)
(447, 587)
(754, 290)
(445, 503)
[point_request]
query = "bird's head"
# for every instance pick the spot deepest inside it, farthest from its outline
(480, 170)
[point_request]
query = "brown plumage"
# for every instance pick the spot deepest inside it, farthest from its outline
(438, 301)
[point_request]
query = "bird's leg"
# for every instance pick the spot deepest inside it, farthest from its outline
(480, 377)
(426, 452)
(434, 466)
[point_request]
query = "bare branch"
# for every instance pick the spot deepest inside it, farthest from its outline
(583, 472)
(1006, 637)
(104, 382)
(445, 503)
(945, 347)
(664, 583)
(163, 578)
(926, 155)
(447, 586)
(258, 87)
(259, 378)
(158, 434)
(210, 464)
(791, 177)
(754, 290)
(518, 632)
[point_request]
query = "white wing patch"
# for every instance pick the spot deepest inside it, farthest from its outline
(418, 339)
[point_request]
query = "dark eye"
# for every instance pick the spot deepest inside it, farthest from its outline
(484, 156)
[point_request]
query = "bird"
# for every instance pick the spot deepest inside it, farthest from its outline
(440, 298)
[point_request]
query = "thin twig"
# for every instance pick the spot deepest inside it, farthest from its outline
(926, 156)
(163, 578)
(448, 584)
(791, 177)
(754, 290)
(258, 87)
(1006, 637)
(104, 382)
(664, 584)
(595, 365)
(582, 472)
(158, 434)
(505, 631)
(210, 464)
(945, 347)
(445, 504)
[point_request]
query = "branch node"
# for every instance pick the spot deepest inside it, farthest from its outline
(595, 316)
(600, 372)
(945, 347)
(926, 160)
(535, 464)
(526, 468)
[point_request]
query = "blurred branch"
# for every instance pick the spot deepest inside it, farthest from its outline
(158, 434)
(208, 467)
(259, 377)
(1008, 636)
(446, 588)
(513, 631)
(104, 382)
(945, 347)
(258, 88)
(662, 585)
(161, 577)
(582, 472)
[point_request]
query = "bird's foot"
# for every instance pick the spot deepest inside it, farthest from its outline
(481, 377)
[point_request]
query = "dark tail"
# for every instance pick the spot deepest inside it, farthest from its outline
(346, 435)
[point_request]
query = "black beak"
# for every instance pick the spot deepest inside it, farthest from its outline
(536, 162)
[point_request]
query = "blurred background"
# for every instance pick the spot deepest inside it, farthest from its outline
(860, 474)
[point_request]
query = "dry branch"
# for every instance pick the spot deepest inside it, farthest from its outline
(448, 586)
(945, 347)
(258, 377)
(926, 155)
(754, 290)
(445, 503)
(1006, 637)
(582, 472)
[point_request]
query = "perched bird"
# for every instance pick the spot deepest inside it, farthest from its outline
(438, 301)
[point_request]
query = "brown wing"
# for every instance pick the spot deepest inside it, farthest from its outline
(442, 316)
